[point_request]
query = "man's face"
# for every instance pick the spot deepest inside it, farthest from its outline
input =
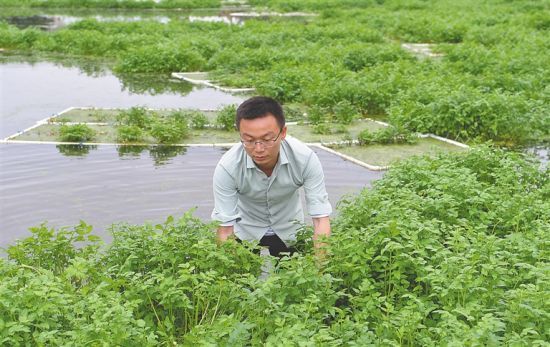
(262, 131)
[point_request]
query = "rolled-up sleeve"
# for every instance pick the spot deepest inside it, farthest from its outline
(314, 187)
(225, 197)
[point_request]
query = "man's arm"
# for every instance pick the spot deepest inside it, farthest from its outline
(225, 203)
(317, 202)
(321, 232)
(224, 232)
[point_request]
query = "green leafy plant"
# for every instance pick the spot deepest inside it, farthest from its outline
(344, 112)
(52, 249)
(199, 120)
(136, 116)
(316, 115)
(169, 130)
(226, 117)
(387, 135)
(441, 250)
(486, 87)
(129, 133)
(322, 129)
(76, 133)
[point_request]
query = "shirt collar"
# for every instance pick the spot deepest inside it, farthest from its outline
(249, 162)
(282, 153)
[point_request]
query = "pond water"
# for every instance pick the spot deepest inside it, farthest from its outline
(31, 91)
(51, 22)
(105, 184)
(55, 21)
(541, 152)
(104, 187)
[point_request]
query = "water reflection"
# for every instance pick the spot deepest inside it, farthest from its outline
(102, 188)
(34, 88)
(79, 150)
(163, 155)
(52, 22)
(92, 67)
(47, 22)
(153, 84)
(160, 154)
(130, 151)
(41, 22)
(141, 83)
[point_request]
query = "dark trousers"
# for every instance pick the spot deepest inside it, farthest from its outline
(275, 246)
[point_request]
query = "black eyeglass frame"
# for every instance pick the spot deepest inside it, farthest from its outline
(263, 143)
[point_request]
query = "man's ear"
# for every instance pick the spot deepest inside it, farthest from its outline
(283, 133)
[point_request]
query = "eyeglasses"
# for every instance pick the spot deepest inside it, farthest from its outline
(264, 143)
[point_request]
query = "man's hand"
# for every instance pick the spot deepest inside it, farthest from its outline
(321, 232)
(224, 233)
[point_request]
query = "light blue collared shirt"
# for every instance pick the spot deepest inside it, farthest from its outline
(254, 203)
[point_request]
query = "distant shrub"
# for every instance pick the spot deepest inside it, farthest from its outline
(362, 57)
(344, 112)
(340, 129)
(161, 58)
(136, 116)
(169, 130)
(293, 113)
(99, 116)
(179, 117)
(76, 133)
(129, 133)
(226, 117)
(199, 120)
(322, 129)
(388, 135)
(316, 114)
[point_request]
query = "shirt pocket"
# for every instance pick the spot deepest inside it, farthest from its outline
(284, 187)
(253, 190)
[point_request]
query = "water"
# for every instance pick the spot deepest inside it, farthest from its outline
(52, 22)
(103, 185)
(39, 184)
(542, 153)
(48, 22)
(31, 91)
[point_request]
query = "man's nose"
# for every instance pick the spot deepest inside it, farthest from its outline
(259, 146)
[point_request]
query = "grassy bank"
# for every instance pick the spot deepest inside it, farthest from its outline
(488, 84)
(446, 251)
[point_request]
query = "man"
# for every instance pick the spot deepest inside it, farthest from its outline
(256, 182)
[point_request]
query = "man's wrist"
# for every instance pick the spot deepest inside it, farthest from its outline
(224, 232)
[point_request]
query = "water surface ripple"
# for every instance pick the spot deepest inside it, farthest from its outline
(39, 184)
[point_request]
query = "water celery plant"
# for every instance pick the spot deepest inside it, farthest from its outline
(487, 83)
(446, 250)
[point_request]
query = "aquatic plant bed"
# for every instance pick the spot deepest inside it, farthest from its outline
(487, 84)
(186, 127)
(386, 155)
(201, 78)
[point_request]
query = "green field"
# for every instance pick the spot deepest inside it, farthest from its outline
(489, 82)
(447, 249)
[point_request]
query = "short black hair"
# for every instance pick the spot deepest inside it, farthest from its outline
(260, 106)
